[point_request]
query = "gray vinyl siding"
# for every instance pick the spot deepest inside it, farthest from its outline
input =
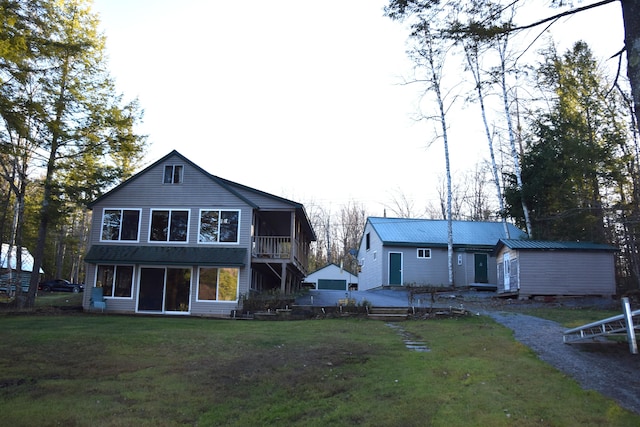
(418, 271)
(432, 271)
(202, 308)
(566, 273)
(415, 271)
(197, 191)
(465, 274)
(371, 274)
(148, 192)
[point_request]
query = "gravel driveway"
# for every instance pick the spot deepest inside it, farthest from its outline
(606, 367)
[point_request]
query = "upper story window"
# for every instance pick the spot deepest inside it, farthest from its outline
(368, 241)
(424, 253)
(120, 224)
(169, 225)
(172, 174)
(219, 226)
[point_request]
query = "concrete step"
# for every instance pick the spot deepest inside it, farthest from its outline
(388, 310)
(388, 314)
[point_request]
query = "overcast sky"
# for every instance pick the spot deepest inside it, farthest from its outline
(299, 99)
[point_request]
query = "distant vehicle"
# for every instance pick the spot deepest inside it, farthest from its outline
(60, 285)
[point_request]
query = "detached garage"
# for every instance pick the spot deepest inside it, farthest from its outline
(538, 267)
(332, 277)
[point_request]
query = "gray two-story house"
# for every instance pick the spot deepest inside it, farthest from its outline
(174, 239)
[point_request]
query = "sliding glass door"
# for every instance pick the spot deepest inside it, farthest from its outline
(164, 290)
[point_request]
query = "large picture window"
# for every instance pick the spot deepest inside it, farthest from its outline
(169, 226)
(120, 224)
(218, 284)
(219, 226)
(116, 280)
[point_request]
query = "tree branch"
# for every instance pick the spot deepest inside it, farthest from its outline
(563, 14)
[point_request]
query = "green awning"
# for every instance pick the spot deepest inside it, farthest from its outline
(167, 255)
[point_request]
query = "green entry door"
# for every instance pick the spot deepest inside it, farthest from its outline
(395, 268)
(481, 268)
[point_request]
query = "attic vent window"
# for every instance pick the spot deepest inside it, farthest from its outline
(172, 174)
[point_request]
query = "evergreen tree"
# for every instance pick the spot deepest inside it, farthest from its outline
(571, 159)
(61, 112)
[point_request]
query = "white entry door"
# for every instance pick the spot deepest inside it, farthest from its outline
(506, 264)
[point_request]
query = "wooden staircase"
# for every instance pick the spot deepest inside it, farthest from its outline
(388, 314)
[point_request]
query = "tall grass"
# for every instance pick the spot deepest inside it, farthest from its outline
(106, 370)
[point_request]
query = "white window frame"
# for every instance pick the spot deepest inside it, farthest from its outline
(423, 250)
(119, 239)
(219, 210)
(169, 226)
(218, 286)
(115, 275)
(171, 180)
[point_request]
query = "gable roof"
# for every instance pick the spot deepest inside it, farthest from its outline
(332, 266)
(430, 232)
(550, 245)
(230, 186)
(329, 269)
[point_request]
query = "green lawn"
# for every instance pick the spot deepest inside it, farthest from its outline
(570, 317)
(58, 299)
(109, 370)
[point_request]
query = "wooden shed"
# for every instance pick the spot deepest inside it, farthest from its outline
(538, 267)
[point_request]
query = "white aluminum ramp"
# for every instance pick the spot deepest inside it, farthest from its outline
(622, 323)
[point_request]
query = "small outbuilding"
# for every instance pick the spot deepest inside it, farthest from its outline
(537, 267)
(414, 252)
(8, 268)
(332, 277)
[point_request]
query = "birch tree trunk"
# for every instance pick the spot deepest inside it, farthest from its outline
(435, 60)
(502, 50)
(472, 55)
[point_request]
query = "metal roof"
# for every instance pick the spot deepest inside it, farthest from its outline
(406, 231)
(167, 255)
(547, 245)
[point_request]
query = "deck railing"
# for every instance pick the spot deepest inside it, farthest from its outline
(279, 247)
(272, 247)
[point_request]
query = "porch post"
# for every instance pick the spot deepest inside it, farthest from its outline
(283, 278)
(294, 241)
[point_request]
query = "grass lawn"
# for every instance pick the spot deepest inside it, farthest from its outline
(59, 299)
(109, 370)
(571, 317)
(47, 300)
